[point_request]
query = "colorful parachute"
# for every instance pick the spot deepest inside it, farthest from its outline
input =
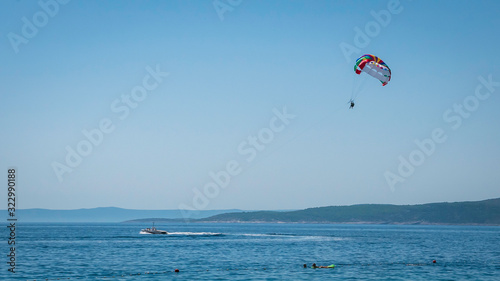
(373, 66)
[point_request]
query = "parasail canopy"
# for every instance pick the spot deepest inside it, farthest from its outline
(374, 67)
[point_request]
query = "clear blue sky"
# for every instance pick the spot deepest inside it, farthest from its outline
(64, 68)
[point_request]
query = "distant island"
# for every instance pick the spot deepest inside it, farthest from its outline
(108, 214)
(486, 212)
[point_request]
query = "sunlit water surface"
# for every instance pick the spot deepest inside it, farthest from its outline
(253, 252)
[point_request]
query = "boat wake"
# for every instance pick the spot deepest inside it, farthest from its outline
(188, 233)
(196, 233)
(294, 236)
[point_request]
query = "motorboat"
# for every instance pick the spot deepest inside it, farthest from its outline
(153, 230)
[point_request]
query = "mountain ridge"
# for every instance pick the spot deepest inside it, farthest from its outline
(107, 214)
(485, 212)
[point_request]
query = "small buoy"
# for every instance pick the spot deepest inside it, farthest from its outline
(433, 261)
(176, 270)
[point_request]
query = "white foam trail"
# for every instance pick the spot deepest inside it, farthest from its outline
(295, 237)
(266, 235)
(194, 233)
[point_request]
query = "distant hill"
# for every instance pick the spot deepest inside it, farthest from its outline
(485, 212)
(108, 214)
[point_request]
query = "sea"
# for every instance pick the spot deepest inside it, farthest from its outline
(252, 251)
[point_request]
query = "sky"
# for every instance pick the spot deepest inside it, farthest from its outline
(244, 104)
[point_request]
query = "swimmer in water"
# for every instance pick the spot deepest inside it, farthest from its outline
(322, 266)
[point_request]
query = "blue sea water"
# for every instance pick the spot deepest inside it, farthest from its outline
(253, 252)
